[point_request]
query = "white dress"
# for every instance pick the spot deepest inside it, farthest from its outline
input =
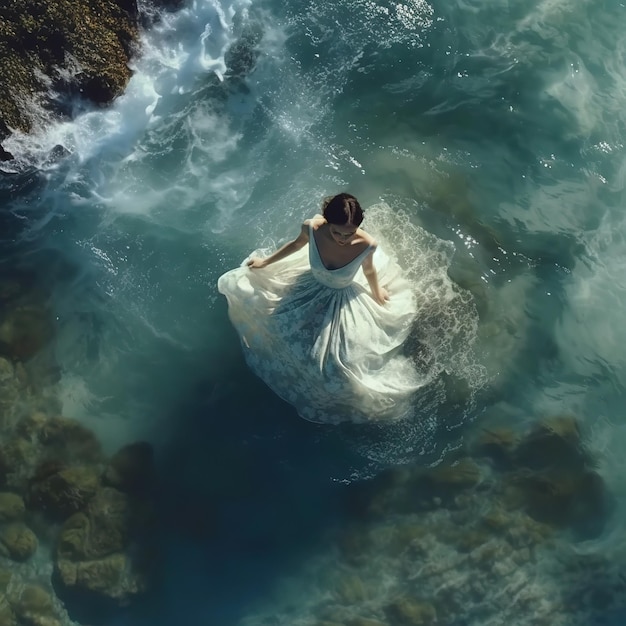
(320, 341)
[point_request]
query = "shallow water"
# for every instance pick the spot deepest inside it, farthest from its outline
(498, 132)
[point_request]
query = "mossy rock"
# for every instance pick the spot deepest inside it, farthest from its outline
(109, 516)
(35, 607)
(485, 556)
(91, 553)
(555, 443)
(364, 621)
(70, 439)
(497, 519)
(463, 474)
(12, 507)
(5, 578)
(421, 489)
(66, 492)
(7, 617)
(104, 528)
(9, 385)
(18, 452)
(99, 575)
(578, 500)
(17, 457)
(46, 468)
(350, 590)
(472, 538)
(18, 542)
(24, 331)
(526, 532)
(74, 537)
(4, 468)
(406, 535)
(62, 438)
(28, 427)
(111, 577)
(131, 469)
(409, 612)
(497, 444)
(7, 372)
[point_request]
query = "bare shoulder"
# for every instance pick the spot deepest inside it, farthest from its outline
(366, 238)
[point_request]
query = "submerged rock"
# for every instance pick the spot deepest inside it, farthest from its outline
(575, 500)
(92, 551)
(409, 612)
(5, 579)
(555, 442)
(131, 468)
(102, 529)
(65, 492)
(69, 439)
(16, 456)
(111, 577)
(498, 444)
(350, 590)
(18, 542)
(9, 388)
(7, 617)
(24, 331)
(11, 507)
(35, 606)
(4, 469)
(418, 489)
(549, 473)
(469, 543)
(462, 474)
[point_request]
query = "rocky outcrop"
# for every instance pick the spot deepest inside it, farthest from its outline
(65, 492)
(92, 552)
(61, 497)
(18, 542)
(24, 330)
(35, 606)
(11, 507)
(60, 48)
(131, 469)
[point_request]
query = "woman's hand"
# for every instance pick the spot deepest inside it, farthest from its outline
(381, 295)
(256, 263)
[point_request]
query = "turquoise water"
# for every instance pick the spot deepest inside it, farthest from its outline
(496, 131)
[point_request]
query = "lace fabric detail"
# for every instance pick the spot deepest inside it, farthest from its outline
(320, 341)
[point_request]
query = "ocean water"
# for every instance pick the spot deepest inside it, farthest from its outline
(489, 137)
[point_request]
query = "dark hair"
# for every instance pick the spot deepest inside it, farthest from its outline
(342, 209)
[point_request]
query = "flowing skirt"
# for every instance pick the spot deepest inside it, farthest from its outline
(334, 354)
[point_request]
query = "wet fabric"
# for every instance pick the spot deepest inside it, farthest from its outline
(318, 338)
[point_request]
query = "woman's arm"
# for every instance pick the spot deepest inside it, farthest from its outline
(284, 251)
(380, 294)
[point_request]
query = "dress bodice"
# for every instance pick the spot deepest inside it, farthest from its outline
(339, 278)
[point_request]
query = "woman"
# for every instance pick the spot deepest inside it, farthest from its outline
(324, 326)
